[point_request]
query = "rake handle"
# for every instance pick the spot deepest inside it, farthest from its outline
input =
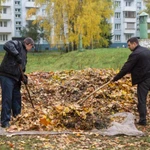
(26, 85)
(83, 100)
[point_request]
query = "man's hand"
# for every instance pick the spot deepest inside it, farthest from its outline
(18, 59)
(113, 79)
(25, 79)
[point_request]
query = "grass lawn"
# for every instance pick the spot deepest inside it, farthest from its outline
(55, 61)
(74, 142)
(98, 58)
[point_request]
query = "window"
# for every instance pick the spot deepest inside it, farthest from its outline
(138, 5)
(128, 3)
(117, 14)
(117, 3)
(128, 36)
(130, 25)
(4, 11)
(18, 23)
(3, 37)
(1, 23)
(117, 37)
(17, 2)
(117, 26)
(5, 24)
(18, 28)
(138, 8)
(17, 10)
(129, 14)
(17, 15)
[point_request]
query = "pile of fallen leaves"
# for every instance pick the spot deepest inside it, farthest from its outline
(58, 105)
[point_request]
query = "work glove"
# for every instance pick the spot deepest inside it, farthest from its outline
(25, 79)
(18, 59)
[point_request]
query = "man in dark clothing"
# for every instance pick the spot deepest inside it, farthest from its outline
(138, 64)
(10, 77)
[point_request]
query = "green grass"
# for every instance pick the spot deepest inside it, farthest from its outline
(55, 61)
(98, 58)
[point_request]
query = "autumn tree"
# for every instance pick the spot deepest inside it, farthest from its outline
(147, 10)
(1, 2)
(147, 3)
(34, 31)
(69, 21)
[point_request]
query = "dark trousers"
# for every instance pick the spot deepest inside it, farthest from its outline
(11, 99)
(142, 92)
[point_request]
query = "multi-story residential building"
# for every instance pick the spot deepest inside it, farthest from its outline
(6, 22)
(13, 19)
(125, 22)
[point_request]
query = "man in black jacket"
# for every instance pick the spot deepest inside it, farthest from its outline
(11, 77)
(138, 64)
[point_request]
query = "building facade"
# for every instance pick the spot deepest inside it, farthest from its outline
(125, 22)
(13, 18)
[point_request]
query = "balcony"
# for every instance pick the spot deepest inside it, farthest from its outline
(30, 5)
(6, 16)
(31, 18)
(7, 4)
(129, 8)
(129, 30)
(6, 29)
(129, 20)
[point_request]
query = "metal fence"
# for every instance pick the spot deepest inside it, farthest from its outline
(46, 47)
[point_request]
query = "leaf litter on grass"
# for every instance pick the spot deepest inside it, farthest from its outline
(56, 95)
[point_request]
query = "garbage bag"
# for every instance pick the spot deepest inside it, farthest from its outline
(126, 127)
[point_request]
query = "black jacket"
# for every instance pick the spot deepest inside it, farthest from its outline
(138, 64)
(9, 67)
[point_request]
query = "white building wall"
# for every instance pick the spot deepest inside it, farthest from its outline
(6, 24)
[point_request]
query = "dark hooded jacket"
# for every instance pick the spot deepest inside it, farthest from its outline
(138, 64)
(9, 66)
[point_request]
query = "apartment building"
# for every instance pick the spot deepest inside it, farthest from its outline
(125, 22)
(13, 19)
